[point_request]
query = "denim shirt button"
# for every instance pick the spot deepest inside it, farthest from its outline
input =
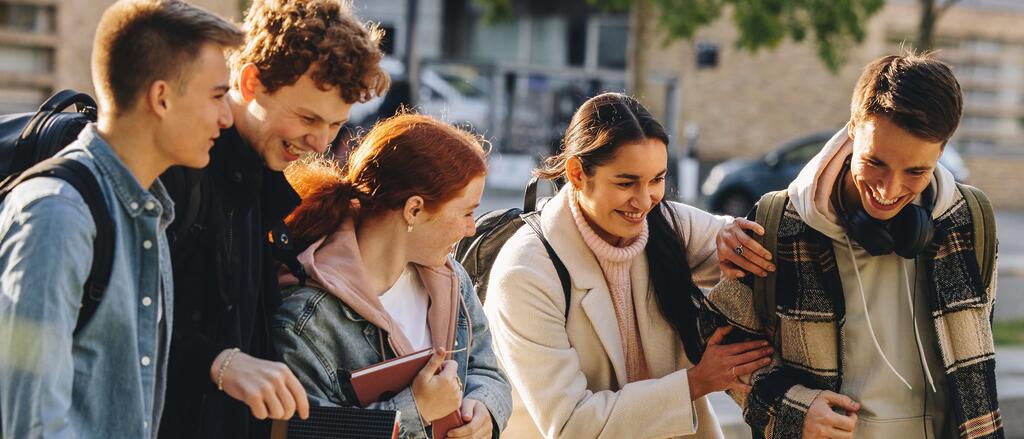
(133, 205)
(145, 360)
(150, 205)
(146, 301)
(147, 244)
(145, 425)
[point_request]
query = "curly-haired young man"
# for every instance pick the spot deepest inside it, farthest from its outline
(303, 66)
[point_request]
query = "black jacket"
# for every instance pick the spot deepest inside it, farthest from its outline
(225, 283)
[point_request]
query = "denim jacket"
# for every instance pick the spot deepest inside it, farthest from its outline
(107, 381)
(318, 335)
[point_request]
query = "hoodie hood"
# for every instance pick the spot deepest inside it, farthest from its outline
(334, 265)
(812, 189)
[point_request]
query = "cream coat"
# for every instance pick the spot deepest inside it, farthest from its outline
(567, 375)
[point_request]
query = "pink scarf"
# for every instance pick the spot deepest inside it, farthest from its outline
(334, 265)
(615, 263)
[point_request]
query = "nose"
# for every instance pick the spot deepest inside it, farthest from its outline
(643, 199)
(470, 227)
(319, 139)
(225, 119)
(889, 186)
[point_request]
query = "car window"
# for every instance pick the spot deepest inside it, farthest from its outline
(801, 154)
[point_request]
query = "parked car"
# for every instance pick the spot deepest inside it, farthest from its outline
(733, 186)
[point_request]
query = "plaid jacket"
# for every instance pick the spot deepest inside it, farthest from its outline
(810, 306)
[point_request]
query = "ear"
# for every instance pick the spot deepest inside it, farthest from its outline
(413, 210)
(574, 173)
(157, 98)
(249, 82)
(852, 129)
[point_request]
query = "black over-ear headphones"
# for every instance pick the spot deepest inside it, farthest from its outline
(907, 234)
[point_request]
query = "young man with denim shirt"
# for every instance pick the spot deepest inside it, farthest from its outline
(303, 66)
(161, 78)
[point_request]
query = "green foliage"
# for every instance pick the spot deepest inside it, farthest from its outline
(833, 25)
(1008, 333)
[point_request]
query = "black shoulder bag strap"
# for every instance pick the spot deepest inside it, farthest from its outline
(25, 149)
(533, 220)
(83, 180)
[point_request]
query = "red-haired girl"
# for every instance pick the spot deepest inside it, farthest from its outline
(381, 283)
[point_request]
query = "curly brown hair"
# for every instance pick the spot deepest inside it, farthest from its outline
(284, 38)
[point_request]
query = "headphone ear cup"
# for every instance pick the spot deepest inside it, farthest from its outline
(915, 229)
(869, 233)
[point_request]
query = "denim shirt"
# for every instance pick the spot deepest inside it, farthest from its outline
(318, 335)
(109, 380)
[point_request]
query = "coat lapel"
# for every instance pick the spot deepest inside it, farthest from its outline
(585, 272)
(597, 304)
(659, 340)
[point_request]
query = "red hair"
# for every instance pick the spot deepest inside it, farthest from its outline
(404, 156)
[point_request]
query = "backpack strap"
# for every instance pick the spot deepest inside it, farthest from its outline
(82, 179)
(769, 215)
(25, 148)
(983, 219)
(530, 196)
(533, 220)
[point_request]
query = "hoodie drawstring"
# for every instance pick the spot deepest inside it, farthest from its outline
(917, 334)
(867, 315)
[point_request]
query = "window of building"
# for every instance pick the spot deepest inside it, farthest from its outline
(613, 35)
(19, 17)
(21, 99)
(980, 97)
(976, 122)
(982, 46)
(25, 59)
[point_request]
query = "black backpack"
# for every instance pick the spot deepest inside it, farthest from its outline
(477, 253)
(28, 142)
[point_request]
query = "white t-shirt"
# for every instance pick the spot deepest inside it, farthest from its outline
(407, 303)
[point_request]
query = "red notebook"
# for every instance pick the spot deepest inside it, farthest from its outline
(382, 381)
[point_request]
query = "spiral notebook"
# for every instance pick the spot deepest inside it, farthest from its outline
(340, 423)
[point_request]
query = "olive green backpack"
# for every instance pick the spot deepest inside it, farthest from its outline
(769, 215)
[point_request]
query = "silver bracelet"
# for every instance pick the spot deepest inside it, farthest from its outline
(223, 366)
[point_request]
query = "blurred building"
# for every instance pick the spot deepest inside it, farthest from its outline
(747, 104)
(46, 45)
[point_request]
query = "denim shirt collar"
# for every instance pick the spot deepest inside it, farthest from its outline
(132, 196)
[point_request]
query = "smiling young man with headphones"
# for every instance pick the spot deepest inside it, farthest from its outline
(881, 320)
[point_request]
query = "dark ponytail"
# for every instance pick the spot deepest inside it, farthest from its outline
(678, 297)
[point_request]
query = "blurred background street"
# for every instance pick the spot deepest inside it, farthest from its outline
(748, 93)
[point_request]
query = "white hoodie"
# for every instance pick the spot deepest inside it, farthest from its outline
(889, 409)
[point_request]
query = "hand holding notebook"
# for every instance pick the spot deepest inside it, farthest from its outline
(435, 385)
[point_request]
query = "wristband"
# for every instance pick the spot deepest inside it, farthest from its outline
(224, 366)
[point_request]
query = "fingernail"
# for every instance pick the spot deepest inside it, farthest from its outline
(771, 268)
(764, 273)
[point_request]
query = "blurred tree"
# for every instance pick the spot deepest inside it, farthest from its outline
(931, 12)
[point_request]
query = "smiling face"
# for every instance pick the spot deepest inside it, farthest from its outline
(435, 233)
(889, 167)
(293, 120)
(617, 196)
